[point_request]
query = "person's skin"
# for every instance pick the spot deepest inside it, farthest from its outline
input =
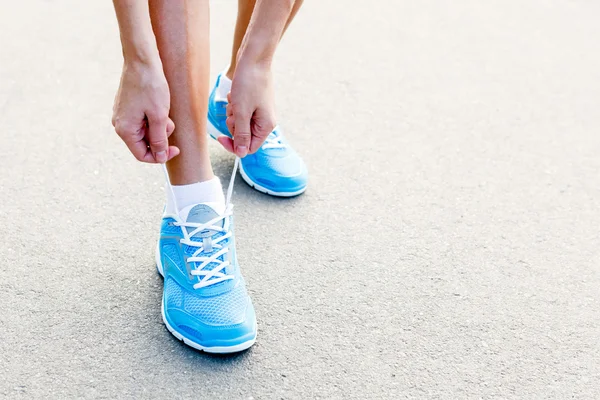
(182, 35)
(250, 112)
(151, 104)
(245, 9)
(141, 110)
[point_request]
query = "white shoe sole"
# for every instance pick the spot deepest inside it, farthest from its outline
(215, 349)
(215, 133)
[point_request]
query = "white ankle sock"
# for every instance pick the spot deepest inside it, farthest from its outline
(224, 86)
(209, 191)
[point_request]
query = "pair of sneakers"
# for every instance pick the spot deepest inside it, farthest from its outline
(205, 303)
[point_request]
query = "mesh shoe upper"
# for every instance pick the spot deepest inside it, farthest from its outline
(228, 308)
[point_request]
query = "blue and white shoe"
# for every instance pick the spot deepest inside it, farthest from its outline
(275, 169)
(205, 303)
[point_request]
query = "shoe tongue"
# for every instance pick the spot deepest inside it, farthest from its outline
(274, 134)
(277, 150)
(202, 213)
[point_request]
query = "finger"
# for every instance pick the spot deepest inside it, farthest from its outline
(170, 127)
(230, 125)
(261, 128)
(229, 110)
(228, 97)
(133, 136)
(173, 152)
(226, 142)
(157, 137)
(241, 135)
(140, 151)
(256, 142)
(115, 105)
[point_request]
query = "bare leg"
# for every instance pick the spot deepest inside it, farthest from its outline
(181, 28)
(245, 8)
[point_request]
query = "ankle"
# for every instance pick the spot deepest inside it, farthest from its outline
(188, 168)
(182, 196)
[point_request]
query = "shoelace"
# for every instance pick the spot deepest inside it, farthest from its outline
(273, 141)
(215, 275)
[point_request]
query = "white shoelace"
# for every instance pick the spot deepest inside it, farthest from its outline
(215, 275)
(273, 141)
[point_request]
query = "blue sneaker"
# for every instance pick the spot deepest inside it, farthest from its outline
(205, 303)
(275, 169)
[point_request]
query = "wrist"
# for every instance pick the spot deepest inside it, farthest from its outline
(255, 64)
(141, 54)
(253, 69)
(139, 58)
(146, 72)
(256, 51)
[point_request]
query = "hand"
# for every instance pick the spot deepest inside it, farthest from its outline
(141, 113)
(250, 112)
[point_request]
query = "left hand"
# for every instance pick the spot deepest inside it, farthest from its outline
(250, 111)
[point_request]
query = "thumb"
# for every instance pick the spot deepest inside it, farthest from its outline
(157, 138)
(242, 135)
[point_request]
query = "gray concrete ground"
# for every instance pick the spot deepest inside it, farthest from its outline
(447, 246)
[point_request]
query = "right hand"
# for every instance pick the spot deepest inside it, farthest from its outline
(141, 113)
(250, 110)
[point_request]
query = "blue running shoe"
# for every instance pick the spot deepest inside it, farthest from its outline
(275, 169)
(205, 303)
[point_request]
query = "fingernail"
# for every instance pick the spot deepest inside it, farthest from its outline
(242, 151)
(161, 157)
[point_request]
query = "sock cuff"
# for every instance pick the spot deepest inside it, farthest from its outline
(210, 191)
(224, 73)
(224, 85)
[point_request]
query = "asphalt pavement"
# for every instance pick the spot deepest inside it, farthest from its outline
(446, 248)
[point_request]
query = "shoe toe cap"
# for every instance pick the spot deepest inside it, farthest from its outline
(213, 335)
(276, 174)
(210, 321)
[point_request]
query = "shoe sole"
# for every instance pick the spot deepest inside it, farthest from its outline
(214, 133)
(214, 349)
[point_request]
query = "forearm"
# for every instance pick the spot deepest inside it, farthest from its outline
(264, 31)
(137, 37)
